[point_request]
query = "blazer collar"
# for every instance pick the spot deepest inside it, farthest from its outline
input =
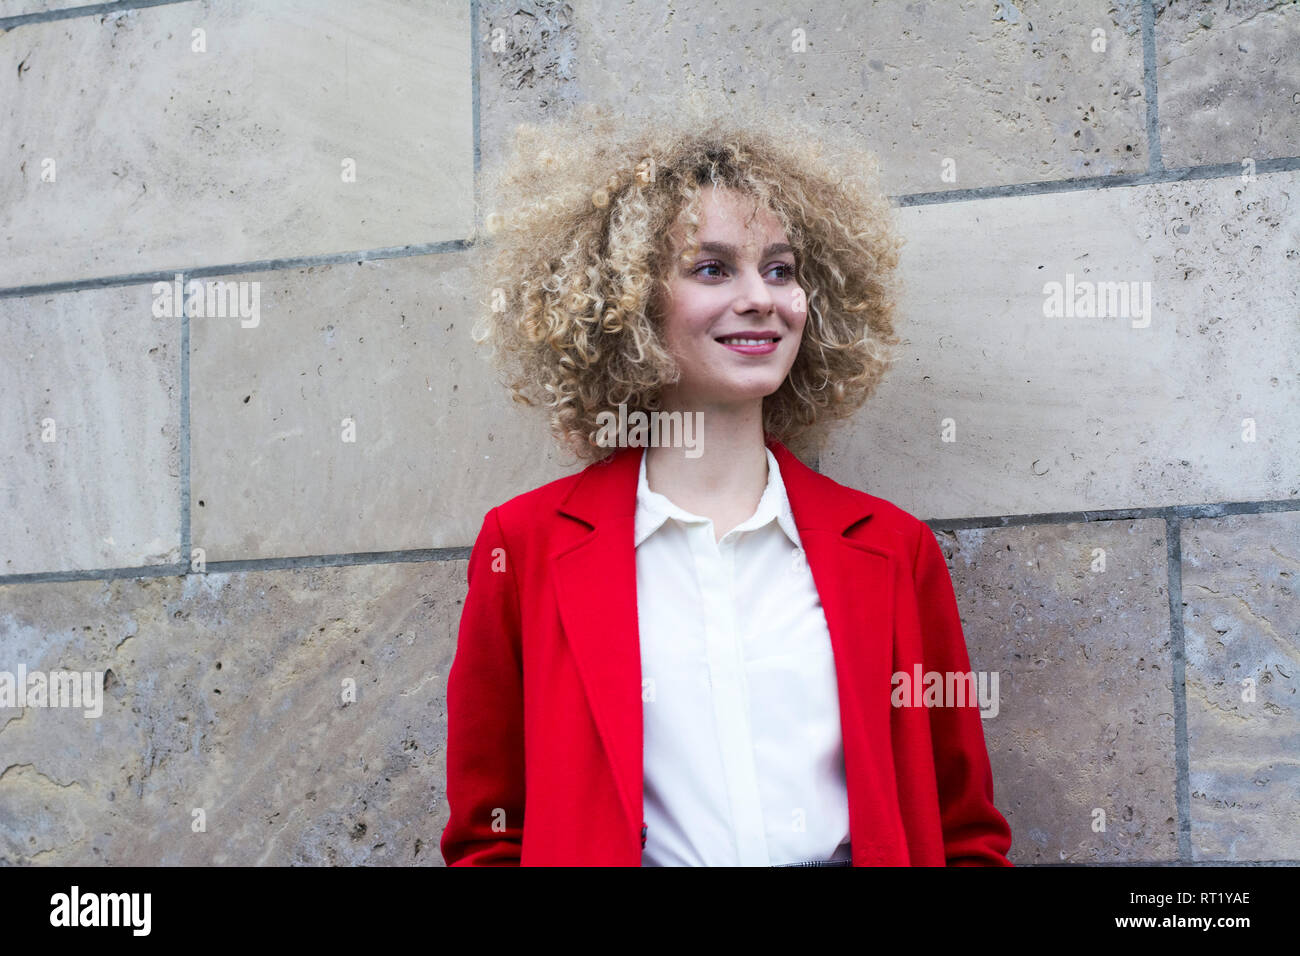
(594, 578)
(607, 489)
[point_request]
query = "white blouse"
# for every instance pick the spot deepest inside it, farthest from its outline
(743, 754)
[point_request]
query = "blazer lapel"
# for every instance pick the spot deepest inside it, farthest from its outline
(595, 584)
(595, 588)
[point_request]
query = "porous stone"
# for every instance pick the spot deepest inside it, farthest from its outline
(1229, 80)
(1084, 734)
(1241, 622)
(228, 736)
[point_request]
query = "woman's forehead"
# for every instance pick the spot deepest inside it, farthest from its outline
(731, 217)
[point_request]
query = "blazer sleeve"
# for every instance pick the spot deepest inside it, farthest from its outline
(485, 733)
(974, 832)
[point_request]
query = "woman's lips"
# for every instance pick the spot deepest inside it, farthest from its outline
(765, 348)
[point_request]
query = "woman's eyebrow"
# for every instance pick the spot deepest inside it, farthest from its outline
(727, 249)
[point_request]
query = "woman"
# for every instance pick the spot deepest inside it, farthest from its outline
(686, 653)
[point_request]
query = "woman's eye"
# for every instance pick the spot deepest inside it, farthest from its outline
(784, 270)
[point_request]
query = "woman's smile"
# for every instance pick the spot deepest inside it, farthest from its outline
(751, 346)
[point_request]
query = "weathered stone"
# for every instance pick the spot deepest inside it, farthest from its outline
(1229, 87)
(527, 56)
(1013, 93)
(90, 448)
(226, 695)
(1193, 402)
(1241, 622)
(437, 441)
(1085, 720)
(238, 152)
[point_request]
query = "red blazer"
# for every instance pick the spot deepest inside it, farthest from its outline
(544, 694)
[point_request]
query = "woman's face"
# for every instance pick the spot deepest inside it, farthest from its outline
(740, 283)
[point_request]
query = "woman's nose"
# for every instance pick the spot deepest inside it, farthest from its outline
(753, 293)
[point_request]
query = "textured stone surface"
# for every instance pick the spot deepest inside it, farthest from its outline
(167, 158)
(1229, 80)
(527, 53)
(13, 8)
(105, 493)
(437, 444)
(1074, 413)
(1010, 92)
(226, 694)
(1086, 707)
(1242, 621)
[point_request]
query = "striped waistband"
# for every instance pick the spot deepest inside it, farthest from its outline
(820, 863)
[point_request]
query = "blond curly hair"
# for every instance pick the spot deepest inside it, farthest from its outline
(577, 258)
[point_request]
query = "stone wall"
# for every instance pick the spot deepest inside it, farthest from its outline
(255, 523)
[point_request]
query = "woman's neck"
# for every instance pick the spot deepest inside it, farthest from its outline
(727, 479)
